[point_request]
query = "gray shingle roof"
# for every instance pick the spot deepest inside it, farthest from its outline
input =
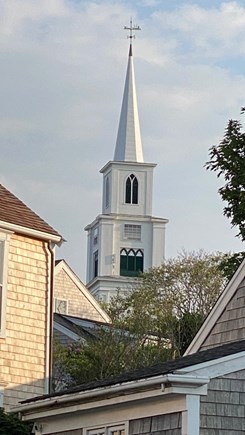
(14, 211)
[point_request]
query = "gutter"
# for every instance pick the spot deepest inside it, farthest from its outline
(33, 233)
(50, 318)
(163, 382)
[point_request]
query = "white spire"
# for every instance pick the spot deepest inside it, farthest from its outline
(128, 145)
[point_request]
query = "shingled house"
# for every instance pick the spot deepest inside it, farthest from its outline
(202, 393)
(72, 298)
(27, 247)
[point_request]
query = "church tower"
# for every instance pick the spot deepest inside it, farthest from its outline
(125, 239)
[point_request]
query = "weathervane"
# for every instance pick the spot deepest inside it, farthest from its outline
(131, 28)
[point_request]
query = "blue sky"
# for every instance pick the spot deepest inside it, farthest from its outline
(63, 66)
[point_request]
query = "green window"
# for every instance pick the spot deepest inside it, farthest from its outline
(131, 262)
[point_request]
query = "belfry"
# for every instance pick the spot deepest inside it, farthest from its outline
(125, 239)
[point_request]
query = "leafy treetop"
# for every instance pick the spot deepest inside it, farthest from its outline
(228, 160)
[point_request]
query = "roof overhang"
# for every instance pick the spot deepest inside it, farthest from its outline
(121, 217)
(170, 384)
(123, 163)
(58, 240)
(190, 380)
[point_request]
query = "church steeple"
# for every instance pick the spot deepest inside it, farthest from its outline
(125, 239)
(128, 145)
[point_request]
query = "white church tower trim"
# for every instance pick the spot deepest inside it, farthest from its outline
(125, 239)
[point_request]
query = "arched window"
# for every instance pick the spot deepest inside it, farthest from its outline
(95, 265)
(107, 192)
(131, 193)
(131, 262)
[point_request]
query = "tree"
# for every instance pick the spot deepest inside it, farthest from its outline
(11, 425)
(154, 322)
(230, 263)
(228, 160)
(113, 352)
(182, 291)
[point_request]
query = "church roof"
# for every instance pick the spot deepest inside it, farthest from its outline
(14, 212)
(128, 145)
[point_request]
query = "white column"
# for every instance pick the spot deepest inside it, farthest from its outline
(191, 417)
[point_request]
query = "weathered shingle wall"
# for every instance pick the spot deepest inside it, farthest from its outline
(22, 351)
(223, 409)
(231, 324)
(78, 304)
(168, 424)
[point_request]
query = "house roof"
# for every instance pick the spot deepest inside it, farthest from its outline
(82, 328)
(14, 212)
(156, 370)
(217, 310)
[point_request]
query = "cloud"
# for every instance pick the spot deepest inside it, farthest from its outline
(207, 31)
(63, 67)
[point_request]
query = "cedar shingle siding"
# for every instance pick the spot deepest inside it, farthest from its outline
(169, 424)
(223, 409)
(230, 326)
(78, 303)
(22, 350)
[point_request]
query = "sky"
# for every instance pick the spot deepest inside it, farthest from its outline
(63, 66)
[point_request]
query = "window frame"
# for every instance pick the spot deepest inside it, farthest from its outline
(57, 301)
(5, 238)
(129, 258)
(131, 194)
(132, 232)
(107, 429)
(95, 263)
(95, 235)
(107, 192)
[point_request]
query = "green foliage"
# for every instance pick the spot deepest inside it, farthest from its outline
(113, 352)
(230, 263)
(11, 425)
(172, 301)
(228, 160)
(154, 322)
(185, 328)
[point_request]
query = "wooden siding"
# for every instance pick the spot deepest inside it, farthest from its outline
(168, 424)
(78, 304)
(230, 326)
(223, 409)
(23, 349)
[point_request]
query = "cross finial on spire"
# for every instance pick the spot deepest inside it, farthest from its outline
(131, 28)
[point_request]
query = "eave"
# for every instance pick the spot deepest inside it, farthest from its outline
(163, 385)
(58, 240)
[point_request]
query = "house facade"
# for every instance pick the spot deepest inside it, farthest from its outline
(201, 393)
(72, 298)
(27, 249)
